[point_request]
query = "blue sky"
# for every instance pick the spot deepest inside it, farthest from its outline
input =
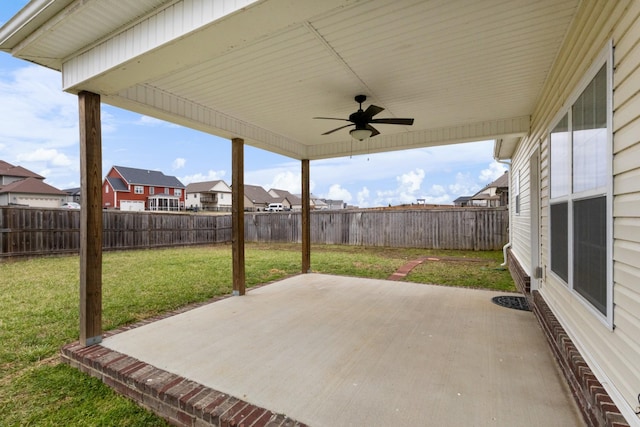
(39, 131)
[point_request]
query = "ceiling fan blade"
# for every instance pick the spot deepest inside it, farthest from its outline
(407, 122)
(372, 111)
(332, 118)
(373, 130)
(336, 129)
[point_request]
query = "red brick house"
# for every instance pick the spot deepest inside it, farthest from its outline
(131, 189)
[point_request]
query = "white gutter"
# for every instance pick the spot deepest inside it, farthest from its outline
(27, 20)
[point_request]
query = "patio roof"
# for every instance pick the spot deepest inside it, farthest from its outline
(261, 70)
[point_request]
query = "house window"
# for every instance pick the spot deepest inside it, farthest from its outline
(152, 191)
(166, 190)
(177, 192)
(138, 189)
(580, 185)
(106, 189)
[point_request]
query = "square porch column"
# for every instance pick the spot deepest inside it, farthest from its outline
(237, 215)
(90, 219)
(306, 218)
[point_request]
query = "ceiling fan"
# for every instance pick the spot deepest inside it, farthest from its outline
(362, 121)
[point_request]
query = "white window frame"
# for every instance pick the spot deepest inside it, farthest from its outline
(138, 189)
(177, 192)
(605, 58)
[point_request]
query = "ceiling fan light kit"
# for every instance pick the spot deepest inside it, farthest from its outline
(362, 121)
(360, 134)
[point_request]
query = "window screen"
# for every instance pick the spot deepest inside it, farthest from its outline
(590, 250)
(559, 240)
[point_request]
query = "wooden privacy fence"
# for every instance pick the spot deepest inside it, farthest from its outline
(454, 228)
(34, 231)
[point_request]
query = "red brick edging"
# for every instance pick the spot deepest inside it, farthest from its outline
(180, 401)
(594, 402)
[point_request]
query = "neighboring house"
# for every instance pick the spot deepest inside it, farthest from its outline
(208, 196)
(130, 189)
(20, 186)
(462, 201)
(493, 195)
(294, 202)
(10, 173)
(575, 234)
(73, 194)
(257, 198)
(334, 204)
(318, 204)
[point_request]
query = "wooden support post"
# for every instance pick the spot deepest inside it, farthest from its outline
(306, 218)
(90, 219)
(237, 215)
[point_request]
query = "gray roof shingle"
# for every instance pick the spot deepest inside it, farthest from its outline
(117, 184)
(148, 177)
(31, 185)
(7, 169)
(257, 194)
(201, 187)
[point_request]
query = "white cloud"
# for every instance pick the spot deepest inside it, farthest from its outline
(51, 155)
(464, 185)
(407, 191)
(336, 192)
(363, 197)
(198, 177)
(410, 182)
(39, 123)
(178, 163)
(108, 121)
(437, 190)
(493, 172)
(287, 180)
(36, 111)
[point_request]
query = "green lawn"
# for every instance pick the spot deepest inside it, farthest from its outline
(39, 312)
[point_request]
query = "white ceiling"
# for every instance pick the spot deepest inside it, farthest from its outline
(464, 69)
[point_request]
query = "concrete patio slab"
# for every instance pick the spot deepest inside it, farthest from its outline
(338, 351)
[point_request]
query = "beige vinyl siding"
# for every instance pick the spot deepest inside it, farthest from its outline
(520, 223)
(612, 354)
